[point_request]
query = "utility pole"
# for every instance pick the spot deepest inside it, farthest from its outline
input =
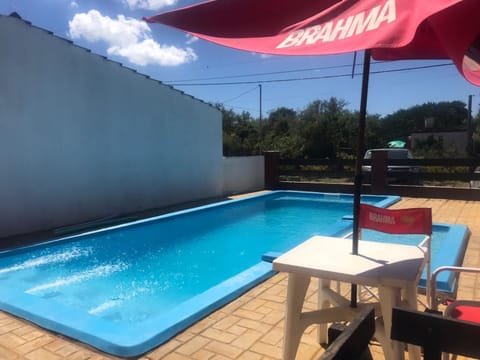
(469, 126)
(260, 89)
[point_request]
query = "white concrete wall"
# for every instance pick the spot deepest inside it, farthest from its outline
(82, 137)
(243, 174)
(455, 139)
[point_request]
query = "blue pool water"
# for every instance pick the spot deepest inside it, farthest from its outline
(129, 288)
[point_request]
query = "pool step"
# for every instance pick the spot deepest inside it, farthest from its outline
(270, 256)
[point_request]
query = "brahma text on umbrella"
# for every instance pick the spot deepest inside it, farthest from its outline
(343, 28)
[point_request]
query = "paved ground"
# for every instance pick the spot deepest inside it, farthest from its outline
(251, 327)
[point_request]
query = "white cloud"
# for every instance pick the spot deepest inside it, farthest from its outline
(150, 52)
(191, 39)
(92, 26)
(149, 4)
(262, 55)
(127, 37)
(73, 5)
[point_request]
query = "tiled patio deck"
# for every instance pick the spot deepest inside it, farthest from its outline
(251, 327)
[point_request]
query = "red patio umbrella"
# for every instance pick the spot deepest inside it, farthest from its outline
(386, 29)
(393, 29)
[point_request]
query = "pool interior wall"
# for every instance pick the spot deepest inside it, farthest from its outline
(137, 338)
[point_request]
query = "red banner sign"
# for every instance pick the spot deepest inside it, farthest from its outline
(397, 221)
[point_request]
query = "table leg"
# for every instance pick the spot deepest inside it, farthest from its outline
(390, 297)
(323, 303)
(296, 291)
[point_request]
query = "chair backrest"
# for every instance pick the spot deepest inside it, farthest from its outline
(401, 221)
(396, 221)
(435, 333)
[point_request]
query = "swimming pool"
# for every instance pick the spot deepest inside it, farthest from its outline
(128, 288)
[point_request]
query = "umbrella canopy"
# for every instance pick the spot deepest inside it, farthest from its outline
(393, 29)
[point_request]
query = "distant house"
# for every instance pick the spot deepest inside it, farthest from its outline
(456, 140)
(83, 137)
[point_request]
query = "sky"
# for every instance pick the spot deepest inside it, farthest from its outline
(241, 81)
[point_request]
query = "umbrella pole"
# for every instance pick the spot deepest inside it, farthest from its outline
(358, 164)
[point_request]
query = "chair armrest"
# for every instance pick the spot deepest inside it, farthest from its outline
(458, 269)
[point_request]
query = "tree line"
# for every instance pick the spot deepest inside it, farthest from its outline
(327, 129)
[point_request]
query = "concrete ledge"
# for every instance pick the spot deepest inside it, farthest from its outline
(436, 192)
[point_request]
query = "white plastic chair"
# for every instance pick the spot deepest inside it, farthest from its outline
(400, 221)
(457, 309)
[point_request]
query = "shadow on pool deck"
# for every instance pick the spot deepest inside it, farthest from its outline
(250, 327)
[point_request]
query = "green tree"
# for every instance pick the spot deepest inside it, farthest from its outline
(240, 133)
(325, 126)
(280, 132)
(476, 133)
(446, 115)
(374, 133)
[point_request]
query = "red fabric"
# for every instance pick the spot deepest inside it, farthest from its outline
(399, 221)
(393, 29)
(466, 313)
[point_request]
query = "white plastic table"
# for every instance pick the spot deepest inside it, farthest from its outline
(393, 269)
